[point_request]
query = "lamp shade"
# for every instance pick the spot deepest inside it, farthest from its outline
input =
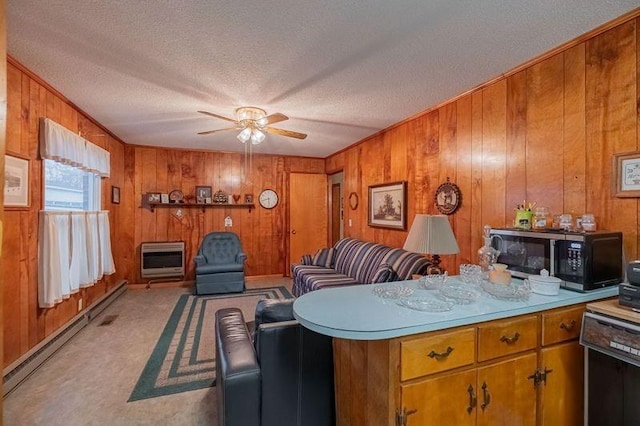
(431, 234)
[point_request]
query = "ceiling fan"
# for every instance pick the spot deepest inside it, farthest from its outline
(253, 123)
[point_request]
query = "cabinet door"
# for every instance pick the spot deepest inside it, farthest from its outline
(505, 394)
(561, 398)
(447, 400)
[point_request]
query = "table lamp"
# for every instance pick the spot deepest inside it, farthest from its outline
(431, 234)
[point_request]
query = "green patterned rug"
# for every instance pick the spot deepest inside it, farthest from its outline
(184, 357)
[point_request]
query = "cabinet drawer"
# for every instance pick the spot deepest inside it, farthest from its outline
(561, 325)
(431, 354)
(504, 337)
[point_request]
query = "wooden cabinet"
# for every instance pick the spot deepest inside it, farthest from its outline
(524, 370)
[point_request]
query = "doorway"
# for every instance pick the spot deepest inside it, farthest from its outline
(336, 208)
(307, 214)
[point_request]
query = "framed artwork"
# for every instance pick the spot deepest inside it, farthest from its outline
(115, 194)
(153, 197)
(202, 193)
(164, 198)
(447, 198)
(626, 172)
(388, 205)
(248, 198)
(16, 187)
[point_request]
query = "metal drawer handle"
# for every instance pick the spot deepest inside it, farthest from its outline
(486, 396)
(440, 355)
(568, 327)
(510, 340)
(472, 399)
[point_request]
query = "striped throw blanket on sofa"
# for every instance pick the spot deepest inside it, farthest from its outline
(355, 262)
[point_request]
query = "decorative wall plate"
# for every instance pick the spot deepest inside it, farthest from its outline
(448, 198)
(353, 201)
(176, 196)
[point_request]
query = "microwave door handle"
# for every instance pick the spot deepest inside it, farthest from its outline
(552, 260)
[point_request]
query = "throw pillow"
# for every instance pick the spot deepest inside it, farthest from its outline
(384, 274)
(324, 258)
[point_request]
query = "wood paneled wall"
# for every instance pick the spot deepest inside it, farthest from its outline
(25, 324)
(262, 232)
(546, 134)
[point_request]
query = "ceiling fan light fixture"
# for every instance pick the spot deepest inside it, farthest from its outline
(257, 136)
(245, 134)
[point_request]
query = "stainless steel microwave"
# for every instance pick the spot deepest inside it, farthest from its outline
(583, 261)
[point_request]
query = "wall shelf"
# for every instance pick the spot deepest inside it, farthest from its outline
(152, 206)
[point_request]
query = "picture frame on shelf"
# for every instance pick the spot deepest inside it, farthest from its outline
(153, 197)
(115, 194)
(248, 198)
(626, 175)
(202, 193)
(388, 205)
(16, 188)
(164, 198)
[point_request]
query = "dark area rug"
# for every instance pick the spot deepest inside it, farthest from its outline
(184, 357)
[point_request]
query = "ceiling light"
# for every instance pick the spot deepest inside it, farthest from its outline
(257, 136)
(245, 134)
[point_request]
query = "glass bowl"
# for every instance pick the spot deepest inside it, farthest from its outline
(392, 291)
(470, 273)
(513, 292)
(426, 304)
(433, 281)
(459, 293)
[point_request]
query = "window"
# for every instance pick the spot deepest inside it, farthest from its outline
(69, 188)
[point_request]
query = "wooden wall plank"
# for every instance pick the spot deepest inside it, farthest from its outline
(575, 149)
(462, 217)
(611, 126)
(494, 129)
(545, 102)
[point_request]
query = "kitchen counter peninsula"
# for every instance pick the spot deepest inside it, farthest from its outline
(354, 312)
(489, 362)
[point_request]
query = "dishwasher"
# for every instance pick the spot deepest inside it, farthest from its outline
(611, 334)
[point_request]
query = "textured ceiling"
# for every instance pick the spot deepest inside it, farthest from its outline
(341, 70)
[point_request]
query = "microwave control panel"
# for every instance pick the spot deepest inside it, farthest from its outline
(574, 256)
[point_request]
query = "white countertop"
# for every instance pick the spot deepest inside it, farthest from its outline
(354, 312)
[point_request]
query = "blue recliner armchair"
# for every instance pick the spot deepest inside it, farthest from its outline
(220, 264)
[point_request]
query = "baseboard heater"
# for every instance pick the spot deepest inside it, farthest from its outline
(20, 369)
(162, 259)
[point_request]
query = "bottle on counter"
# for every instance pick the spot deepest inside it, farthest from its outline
(487, 254)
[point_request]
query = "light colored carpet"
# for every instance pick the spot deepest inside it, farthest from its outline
(184, 357)
(89, 380)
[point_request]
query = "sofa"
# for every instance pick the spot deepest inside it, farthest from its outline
(352, 262)
(280, 376)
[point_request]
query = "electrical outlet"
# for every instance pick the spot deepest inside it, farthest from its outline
(79, 304)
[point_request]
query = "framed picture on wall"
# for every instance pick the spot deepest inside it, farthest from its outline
(202, 194)
(115, 195)
(16, 177)
(626, 172)
(388, 205)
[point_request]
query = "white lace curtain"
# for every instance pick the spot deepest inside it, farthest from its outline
(74, 247)
(62, 145)
(75, 252)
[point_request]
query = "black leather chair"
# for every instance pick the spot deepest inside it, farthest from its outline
(282, 378)
(220, 264)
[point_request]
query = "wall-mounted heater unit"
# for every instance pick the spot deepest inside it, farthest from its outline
(162, 260)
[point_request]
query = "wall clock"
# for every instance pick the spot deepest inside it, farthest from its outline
(353, 201)
(268, 198)
(448, 198)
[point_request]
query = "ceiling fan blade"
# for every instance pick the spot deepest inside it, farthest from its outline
(217, 116)
(287, 133)
(273, 118)
(218, 130)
